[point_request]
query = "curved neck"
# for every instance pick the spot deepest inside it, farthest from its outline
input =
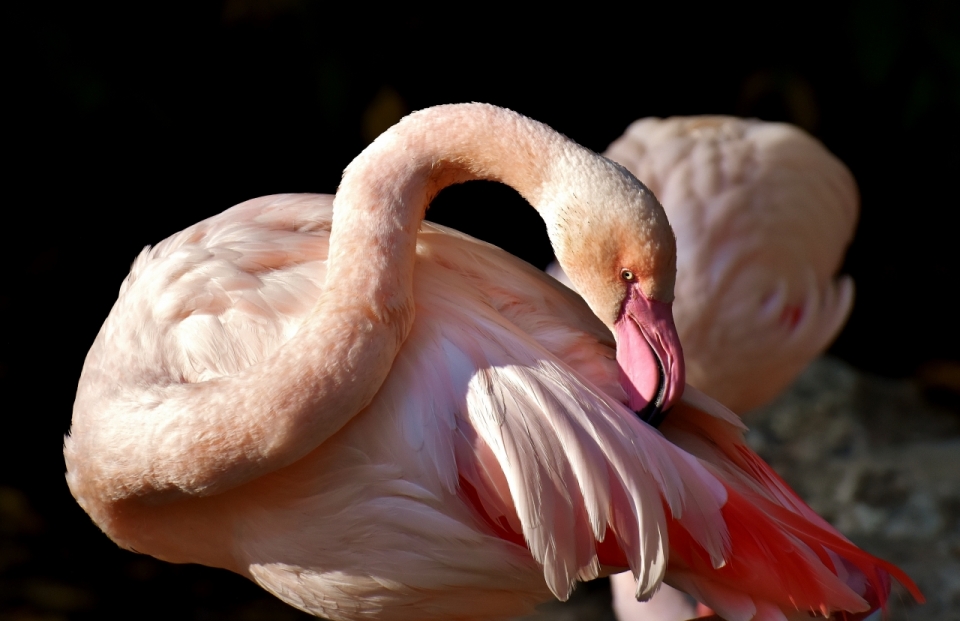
(387, 188)
(367, 307)
(224, 432)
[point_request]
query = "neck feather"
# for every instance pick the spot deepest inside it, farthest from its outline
(386, 190)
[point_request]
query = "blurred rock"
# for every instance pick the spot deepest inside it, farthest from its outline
(883, 465)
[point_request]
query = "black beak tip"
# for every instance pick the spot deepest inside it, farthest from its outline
(652, 414)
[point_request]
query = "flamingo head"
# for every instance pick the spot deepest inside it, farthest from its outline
(617, 247)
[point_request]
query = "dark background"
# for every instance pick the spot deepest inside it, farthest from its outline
(127, 122)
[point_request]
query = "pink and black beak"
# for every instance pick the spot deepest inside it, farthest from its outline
(649, 355)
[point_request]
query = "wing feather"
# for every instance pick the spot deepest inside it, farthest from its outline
(577, 463)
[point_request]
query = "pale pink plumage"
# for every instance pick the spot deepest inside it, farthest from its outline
(226, 416)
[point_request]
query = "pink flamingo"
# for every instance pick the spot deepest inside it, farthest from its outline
(374, 417)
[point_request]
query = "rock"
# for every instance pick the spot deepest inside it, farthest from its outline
(881, 464)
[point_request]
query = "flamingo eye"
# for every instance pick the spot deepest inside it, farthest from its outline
(627, 275)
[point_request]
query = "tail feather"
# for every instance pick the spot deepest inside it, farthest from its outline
(781, 552)
(773, 558)
(739, 538)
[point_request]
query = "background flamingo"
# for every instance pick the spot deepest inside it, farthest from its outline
(363, 444)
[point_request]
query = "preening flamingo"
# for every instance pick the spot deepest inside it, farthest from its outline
(377, 418)
(763, 215)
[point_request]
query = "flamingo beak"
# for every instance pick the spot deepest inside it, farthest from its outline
(649, 356)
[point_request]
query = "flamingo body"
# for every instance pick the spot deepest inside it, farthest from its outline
(221, 416)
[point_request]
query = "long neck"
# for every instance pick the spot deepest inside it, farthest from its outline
(205, 438)
(386, 190)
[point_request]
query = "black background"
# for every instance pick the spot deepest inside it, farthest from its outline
(127, 122)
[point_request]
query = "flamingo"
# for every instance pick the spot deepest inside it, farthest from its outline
(763, 214)
(374, 417)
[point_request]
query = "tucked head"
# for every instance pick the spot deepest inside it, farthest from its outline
(613, 239)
